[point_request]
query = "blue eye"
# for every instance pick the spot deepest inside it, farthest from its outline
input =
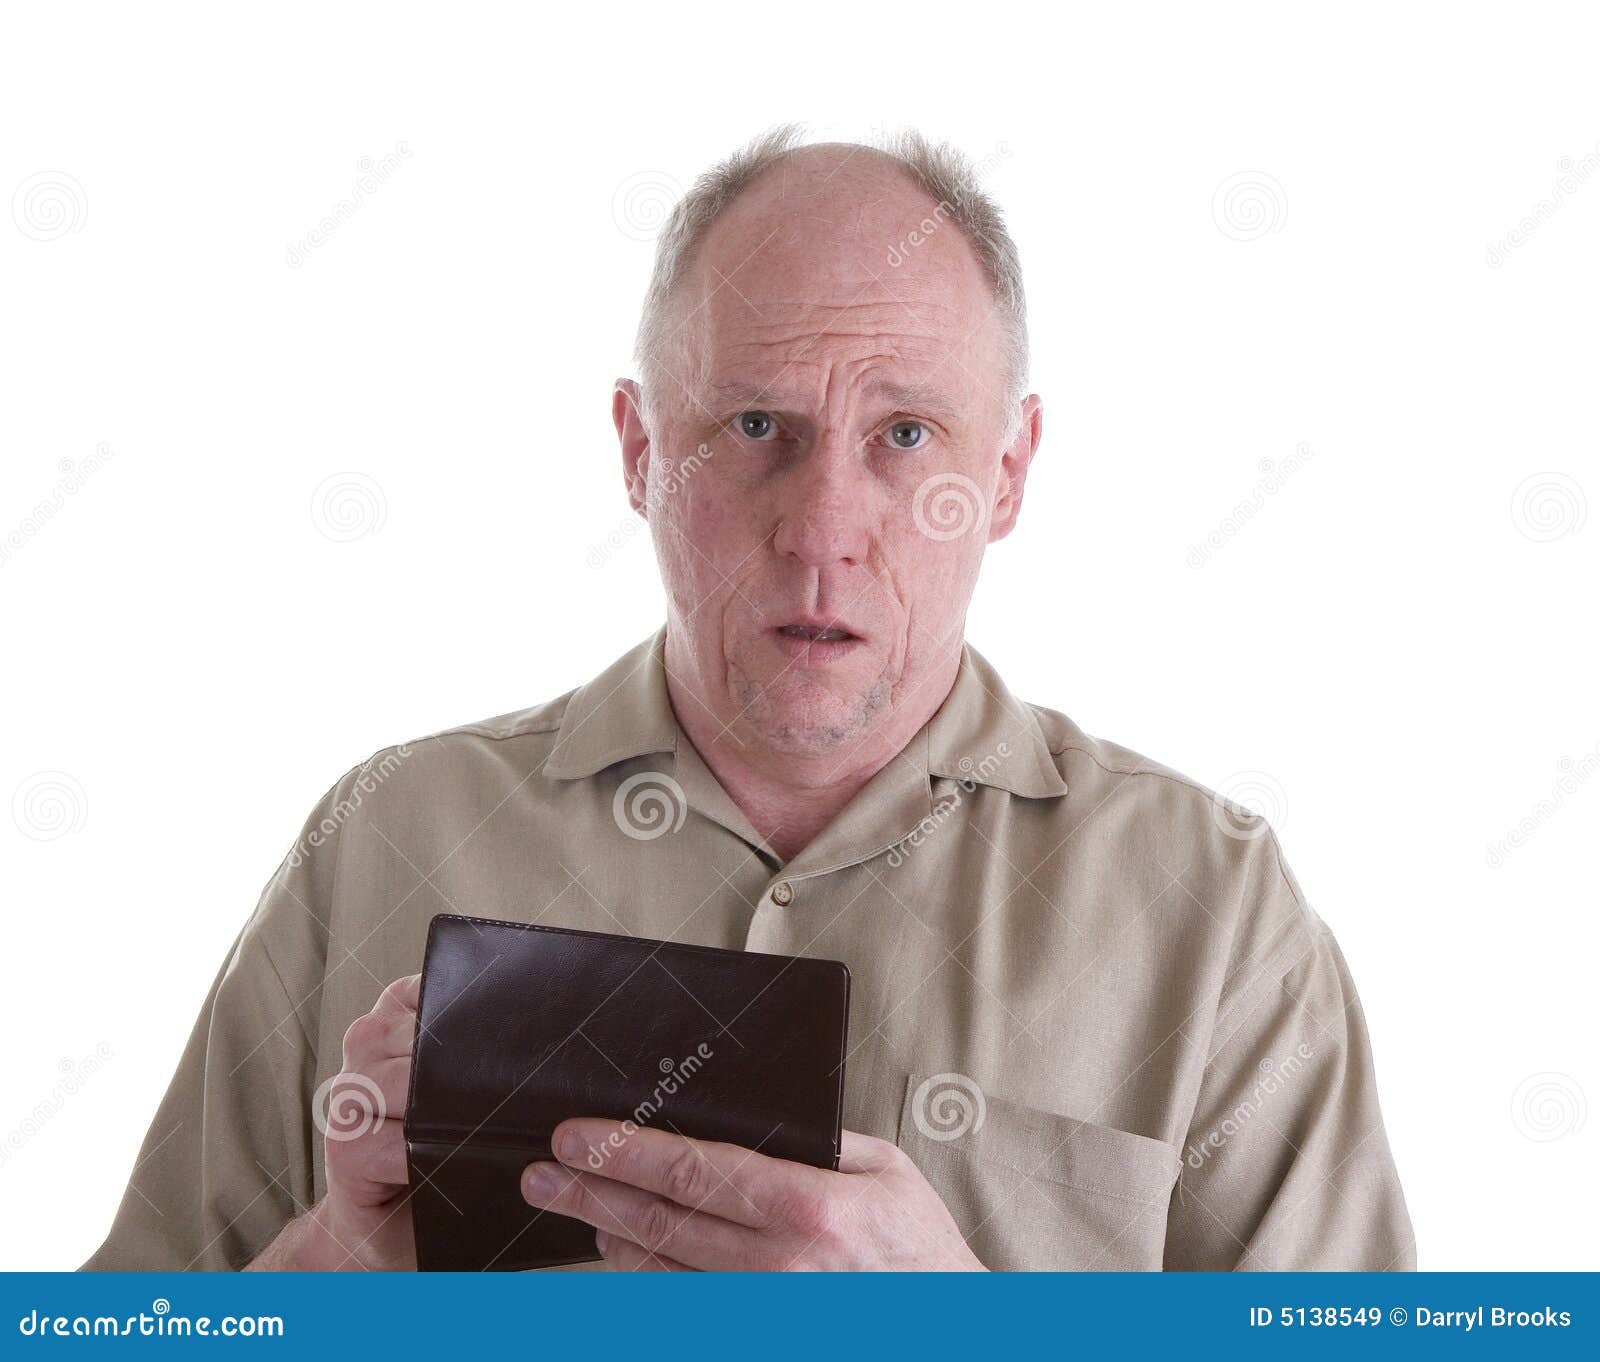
(757, 425)
(908, 434)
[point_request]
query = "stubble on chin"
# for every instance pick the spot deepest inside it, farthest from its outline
(809, 730)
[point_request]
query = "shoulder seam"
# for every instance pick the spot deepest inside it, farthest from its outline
(472, 730)
(1164, 774)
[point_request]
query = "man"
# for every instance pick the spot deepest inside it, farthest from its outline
(1094, 1023)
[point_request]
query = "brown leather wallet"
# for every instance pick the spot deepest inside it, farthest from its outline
(521, 1026)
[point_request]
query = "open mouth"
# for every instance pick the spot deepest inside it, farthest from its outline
(810, 634)
(815, 645)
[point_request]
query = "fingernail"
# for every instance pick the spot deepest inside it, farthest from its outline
(540, 1181)
(569, 1146)
(602, 1243)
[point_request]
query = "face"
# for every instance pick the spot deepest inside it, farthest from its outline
(826, 455)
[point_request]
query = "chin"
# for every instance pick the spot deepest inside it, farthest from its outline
(802, 717)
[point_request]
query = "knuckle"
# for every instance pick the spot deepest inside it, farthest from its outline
(657, 1221)
(812, 1215)
(896, 1160)
(573, 1198)
(687, 1179)
(359, 1036)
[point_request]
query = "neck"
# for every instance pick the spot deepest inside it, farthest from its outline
(790, 797)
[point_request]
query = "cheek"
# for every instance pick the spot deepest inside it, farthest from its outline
(703, 533)
(938, 572)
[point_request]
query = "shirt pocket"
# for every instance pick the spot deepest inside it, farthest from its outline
(1031, 1190)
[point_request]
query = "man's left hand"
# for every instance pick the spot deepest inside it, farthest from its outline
(664, 1203)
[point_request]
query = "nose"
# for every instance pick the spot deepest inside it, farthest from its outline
(824, 507)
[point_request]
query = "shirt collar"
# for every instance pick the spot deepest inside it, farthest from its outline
(984, 735)
(624, 712)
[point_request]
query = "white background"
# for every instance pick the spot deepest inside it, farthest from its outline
(1392, 654)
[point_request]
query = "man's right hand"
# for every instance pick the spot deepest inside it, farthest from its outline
(363, 1222)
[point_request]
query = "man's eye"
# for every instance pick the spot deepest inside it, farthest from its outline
(757, 425)
(908, 434)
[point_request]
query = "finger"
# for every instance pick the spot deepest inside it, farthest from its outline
(650, 1221)
(725, 1180)
(400, 998)
(391, 1078)
(377, 1157)
(377, 1036)
(354, 1101)
(864, 1154)
(623, 1255)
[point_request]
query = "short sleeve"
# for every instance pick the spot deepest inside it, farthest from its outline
(1286, 1164)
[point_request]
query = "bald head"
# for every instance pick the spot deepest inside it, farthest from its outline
(900, 220)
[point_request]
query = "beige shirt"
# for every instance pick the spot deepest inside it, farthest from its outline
(1088, 998)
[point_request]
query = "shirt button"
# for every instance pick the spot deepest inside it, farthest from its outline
(783, 893)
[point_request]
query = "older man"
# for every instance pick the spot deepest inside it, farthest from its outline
(1095, 1024)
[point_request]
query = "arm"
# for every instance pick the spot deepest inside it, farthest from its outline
(1286, 1165)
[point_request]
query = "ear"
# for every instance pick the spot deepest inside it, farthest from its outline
(628, 417)
(1015, 460)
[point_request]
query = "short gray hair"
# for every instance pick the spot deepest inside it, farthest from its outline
(945, 174)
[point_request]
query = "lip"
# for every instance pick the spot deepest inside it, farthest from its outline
(814, 652)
